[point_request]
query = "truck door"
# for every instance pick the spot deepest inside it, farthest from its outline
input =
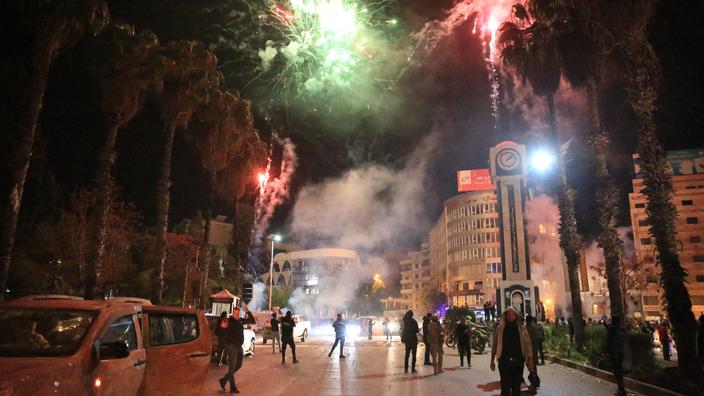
(117, 373)
(178, 351)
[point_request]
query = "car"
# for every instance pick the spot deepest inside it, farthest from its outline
(248, 345)
(301, 331)
(69, 346)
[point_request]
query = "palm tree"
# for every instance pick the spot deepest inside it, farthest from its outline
(529, 47)
(581, 56)
(55, 25)
(626, 25)
(193, 70)
(128, 66)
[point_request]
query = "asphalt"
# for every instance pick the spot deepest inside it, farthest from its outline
(376, 368)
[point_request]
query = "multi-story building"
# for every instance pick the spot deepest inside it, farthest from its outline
(415, 278)
(319, 273)
(688, 181)
(465, 248)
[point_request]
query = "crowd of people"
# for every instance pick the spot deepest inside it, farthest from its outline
(516, 342)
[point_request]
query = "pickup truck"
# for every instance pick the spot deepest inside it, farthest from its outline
(301, 330)
(69, 346)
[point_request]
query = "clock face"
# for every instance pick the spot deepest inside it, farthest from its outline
(508, 159)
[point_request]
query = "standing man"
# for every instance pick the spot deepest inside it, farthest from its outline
(537, 335)
(615, 343)
(426, 322)
(493, 310)
(511, 346)
(234, 339)
(220, 331)
(570, 329)
(487, 310)
(370, 325)
(436, 339)
(533, 377)
(387, 331)
(340, 332)
(409, 336)
(275, 336)
(664, 335)
(463, 344)
(287, 325)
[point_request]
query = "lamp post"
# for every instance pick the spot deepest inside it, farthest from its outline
(274, 238)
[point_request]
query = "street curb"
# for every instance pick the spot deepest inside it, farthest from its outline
(631, 384)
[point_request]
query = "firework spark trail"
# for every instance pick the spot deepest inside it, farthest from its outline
(488, 14)
(272, 194)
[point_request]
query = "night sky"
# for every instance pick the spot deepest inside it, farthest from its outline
(450, 92)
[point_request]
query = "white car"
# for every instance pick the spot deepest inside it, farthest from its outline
(302, 328)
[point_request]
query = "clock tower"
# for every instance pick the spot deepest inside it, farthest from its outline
(509, 171)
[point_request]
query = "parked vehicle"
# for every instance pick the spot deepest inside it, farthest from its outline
(301, 330)
(478, 338)
(248, 345)
(68, 346)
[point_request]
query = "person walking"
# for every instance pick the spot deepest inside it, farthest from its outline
(387, 331)
(570, 329)
(370, 326)
(462, 335)
(615, 345)
(340, 333)
(436, 340)
(539, 336)
(664, 335)
(287, 325)
(275, 336)
(409, 336)
(426, 322)
(220, 331)
(533, 330)
(512, 347)
(234, 338)
(487, 310)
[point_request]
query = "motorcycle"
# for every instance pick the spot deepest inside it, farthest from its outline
(478, 338)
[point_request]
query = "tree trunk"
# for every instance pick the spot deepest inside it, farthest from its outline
(607, 200)
(205, 243)
(28, 114)
(569, 239)
(163, 204)
(103, 183)
(662, 214)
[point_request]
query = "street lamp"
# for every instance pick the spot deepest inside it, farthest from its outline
(274, 238)
(542, 160)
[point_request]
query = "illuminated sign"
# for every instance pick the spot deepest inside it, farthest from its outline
(474, 180)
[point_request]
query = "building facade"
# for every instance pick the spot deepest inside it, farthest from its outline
(415, 278)
(464, 249)
(688, 182)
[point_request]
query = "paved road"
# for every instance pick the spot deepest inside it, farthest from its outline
(376, 368)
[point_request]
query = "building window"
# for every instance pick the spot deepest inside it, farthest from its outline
(700, 278)
(692, 220)
(648, 259)
(645, 241)
(695, 239)
(687, 202)
(640, 205)
(642, 223)
(698, 258)
(651, 300)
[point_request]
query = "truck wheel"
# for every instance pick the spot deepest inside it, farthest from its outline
(304, 336)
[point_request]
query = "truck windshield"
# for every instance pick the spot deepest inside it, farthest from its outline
(28, 332)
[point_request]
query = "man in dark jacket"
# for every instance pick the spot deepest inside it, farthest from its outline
(220, 330)
(340, 333)
(463, 345)
(287, 325)
(370, 325)
(615, 343)
(426, 321)
(410, 338)
(234, 338)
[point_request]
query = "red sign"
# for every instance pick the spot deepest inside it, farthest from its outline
(474, 180)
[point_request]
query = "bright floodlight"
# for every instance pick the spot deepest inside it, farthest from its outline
(542, 160)
(277, 238)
